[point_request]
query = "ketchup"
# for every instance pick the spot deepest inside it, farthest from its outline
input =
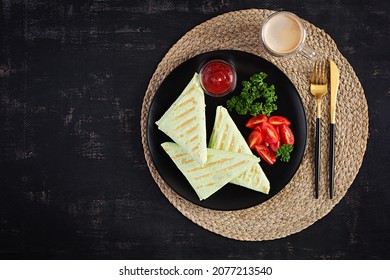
(218, 77)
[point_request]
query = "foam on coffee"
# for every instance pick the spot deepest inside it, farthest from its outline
(283, 33)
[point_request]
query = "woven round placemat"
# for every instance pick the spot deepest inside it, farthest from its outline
(294, 208)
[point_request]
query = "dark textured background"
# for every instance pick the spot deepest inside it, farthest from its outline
(73, 179)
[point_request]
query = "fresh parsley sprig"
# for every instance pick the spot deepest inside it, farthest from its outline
(284, 152)
(256, 97)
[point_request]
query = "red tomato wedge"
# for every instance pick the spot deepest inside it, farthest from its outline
(286, 135)
(266, 154)
(271, 135)
(274, 147)
(279, 120)
(255, 121)
(255, 138)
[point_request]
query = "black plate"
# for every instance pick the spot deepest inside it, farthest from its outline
(230, 197)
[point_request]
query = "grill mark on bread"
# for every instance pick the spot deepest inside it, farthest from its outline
(195, 148)
(210, 164)
(184, 113)
(190, 90)
(231, 167)
(232, 142)
(189, 131)
(186, 161)
(191, 100)
(178, 155)
(224, 135)
(196, 137)
(187, 122)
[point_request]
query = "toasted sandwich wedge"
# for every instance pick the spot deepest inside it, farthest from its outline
(185, 121)
(226, 136)
(220, 168)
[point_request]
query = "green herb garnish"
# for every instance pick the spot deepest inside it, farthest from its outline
(256, 97)
(283, 153)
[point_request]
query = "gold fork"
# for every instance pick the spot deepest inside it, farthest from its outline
(318, 87)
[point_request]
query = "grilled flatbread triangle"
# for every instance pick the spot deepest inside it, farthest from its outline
(220, 168)
(226, 136)
(185, 121)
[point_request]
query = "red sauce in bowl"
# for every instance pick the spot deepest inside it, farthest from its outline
(217, 77)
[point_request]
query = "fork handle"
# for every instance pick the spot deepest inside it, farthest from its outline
(317, 156)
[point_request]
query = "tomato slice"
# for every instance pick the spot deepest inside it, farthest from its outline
(275, 146)
(271, 136)
(255, 121)
(279, 120)
(255, 138)
(266, 154)
(286, 135)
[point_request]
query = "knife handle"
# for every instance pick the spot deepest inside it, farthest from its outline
(317, 156)
(331, 160)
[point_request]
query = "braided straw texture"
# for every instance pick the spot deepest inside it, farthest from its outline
(294, 208)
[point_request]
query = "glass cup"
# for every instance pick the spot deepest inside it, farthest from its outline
(218, 77)
(283, 33)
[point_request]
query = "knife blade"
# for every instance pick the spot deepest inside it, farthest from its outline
(334, 85)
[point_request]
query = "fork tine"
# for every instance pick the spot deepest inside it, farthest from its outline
(319, 75)
(323, 72)
(315, 73)
(321, 79)
(319, 72)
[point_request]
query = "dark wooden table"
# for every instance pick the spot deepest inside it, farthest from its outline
(73, 180)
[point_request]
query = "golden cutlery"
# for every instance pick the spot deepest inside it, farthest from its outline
(334, 84)
(318, 87)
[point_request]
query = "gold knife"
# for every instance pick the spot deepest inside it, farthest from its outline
(334, 85)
